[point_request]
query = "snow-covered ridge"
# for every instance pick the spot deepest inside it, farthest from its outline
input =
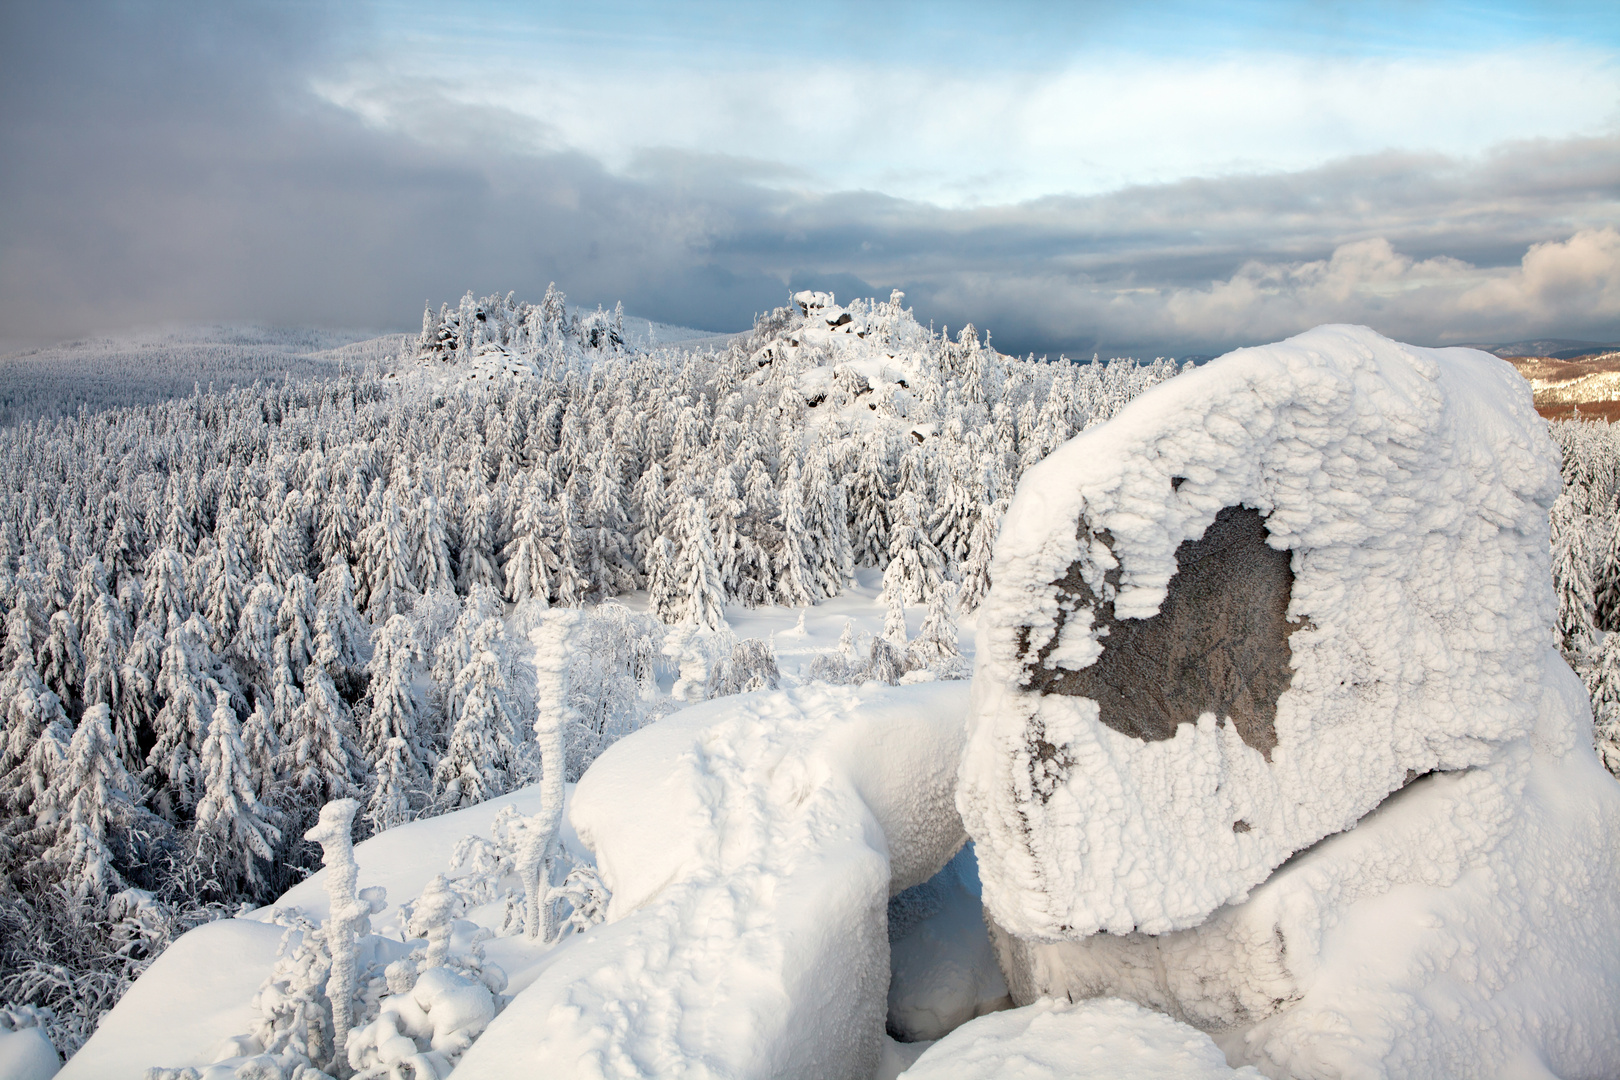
(751, 846)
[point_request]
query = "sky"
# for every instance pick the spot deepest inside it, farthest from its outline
(1156, 178)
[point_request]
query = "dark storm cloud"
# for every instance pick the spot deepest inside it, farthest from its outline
(159, 162)
(162, 162)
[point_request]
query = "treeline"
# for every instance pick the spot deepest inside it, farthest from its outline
(1586, 570)
(226, 610)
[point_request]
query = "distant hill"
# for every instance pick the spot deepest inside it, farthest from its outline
(1551, 348)
(1589, 385)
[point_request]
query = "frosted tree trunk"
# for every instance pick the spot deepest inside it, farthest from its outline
(348, 915)
(550, 640)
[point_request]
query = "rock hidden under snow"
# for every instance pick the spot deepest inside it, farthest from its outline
(1092, 1040)
(1231, 620)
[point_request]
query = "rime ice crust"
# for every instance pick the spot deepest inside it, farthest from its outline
(1409, 486)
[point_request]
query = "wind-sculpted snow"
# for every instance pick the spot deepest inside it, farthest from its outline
(1464, 928)
(1409, 488)
(751, 845)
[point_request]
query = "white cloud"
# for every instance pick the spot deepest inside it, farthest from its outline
(1560, 288)
(963, 135)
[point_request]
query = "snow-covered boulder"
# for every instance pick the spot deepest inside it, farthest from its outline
(751, 844)
(1225, 627)
(1231, 620)
(1466, 927)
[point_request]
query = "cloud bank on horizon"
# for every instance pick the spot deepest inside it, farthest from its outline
(1073, 178)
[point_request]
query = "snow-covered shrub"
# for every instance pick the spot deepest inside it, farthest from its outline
(750, 666)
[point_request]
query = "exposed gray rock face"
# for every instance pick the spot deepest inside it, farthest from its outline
(1218, 645)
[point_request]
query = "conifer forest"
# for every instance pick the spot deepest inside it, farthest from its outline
(227, 609)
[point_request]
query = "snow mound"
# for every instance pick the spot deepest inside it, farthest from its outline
(26, 1052)
(1464, 928)
(1093, 1040)
(751, 845)
(1367, 522)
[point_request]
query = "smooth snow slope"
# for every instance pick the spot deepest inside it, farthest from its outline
(1092, 1040)
(751, 844)
(1411, 488)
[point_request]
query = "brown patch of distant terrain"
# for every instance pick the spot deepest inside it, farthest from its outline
(1585, 386)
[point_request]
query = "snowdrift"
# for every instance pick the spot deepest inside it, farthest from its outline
(1361, 530)
(752, 845)
(1091, 1040)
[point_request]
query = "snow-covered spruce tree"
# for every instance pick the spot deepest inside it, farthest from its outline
(571, 585)
(663, 598)
(386, 560)
(915, 565)
(224, 585)
(319, 757)
(189, 693)
(935, 646)
(484, 743)
(61, 661)
(826, 522)
(796, 577)
(295, 621)
(235, 832)
(869, 504)
(389, 737)
(1606, 574)
(340, 631)
(164, 597)
(530, 561)
(1572, 580)
(101, 801)
(981, 549)
(432, 567)
(476, 562)
(1602, 679)
(254, 644)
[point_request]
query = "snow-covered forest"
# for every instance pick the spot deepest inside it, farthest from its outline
(1586, 570)
(226, 610)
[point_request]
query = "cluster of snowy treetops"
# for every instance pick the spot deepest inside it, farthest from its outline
(1586, 570)
(224, 611)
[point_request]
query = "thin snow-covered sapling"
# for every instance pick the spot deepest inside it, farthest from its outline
(431, 917)
(350, 916)
(550, 640)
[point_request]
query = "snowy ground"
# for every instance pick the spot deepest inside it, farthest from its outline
(208, 979)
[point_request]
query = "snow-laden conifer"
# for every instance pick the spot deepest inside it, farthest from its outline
(915, 566)
(101, 806)
(233, 827)
(484, 743)
(697, 572)
(319, 757)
